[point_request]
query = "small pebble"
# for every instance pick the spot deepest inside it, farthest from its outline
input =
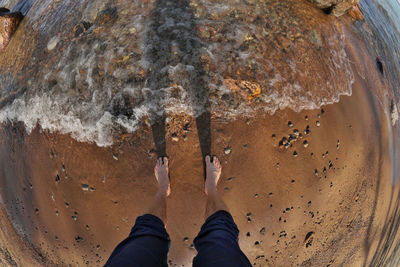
(57, 178)
(227, 150)
(52, 43)
(74, 217)
(85, 187)
(262, 231)
(248, 234)
(185, 239)
(305, 143)
(306, 118)
(290, 124)
(317, 123)
(115, 156)
(295, 153)
(91, 189)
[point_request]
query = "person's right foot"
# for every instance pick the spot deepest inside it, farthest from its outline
(213, 170)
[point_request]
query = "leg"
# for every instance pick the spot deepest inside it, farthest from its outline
(158, 206)
(214, 200)
(148, 243)
(217, 243)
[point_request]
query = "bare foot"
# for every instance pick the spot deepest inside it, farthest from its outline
(214, 170)
(161, 173)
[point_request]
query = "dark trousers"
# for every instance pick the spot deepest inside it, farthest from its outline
(148, 244)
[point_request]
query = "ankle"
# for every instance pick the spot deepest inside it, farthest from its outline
(162, 192)
(211, 191)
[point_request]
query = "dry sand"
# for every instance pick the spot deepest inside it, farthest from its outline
(297, 217)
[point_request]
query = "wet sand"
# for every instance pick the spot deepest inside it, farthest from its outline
(287, 215)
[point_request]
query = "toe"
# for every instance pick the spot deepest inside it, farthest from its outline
(165, 161)
(208, 159)
(215, 160)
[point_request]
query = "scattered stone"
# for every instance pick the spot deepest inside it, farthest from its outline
(330, 164)
(115, 156)
(290, 124)
(85, 187)
(307, 130)
(81, 28)
(296, 132)
(248, 234)
(317, 123)
(57, 213)
(105, 16)
(309, 239)
(334, 7)
(74, 217)
(53, 43)
(104, 179)
(305, 143)
(174, 137)
(8, 25)
(262, 231)
(273, 136)
(230, 178)
(245, 145)
(248, 214)
(63, 168)
(295, 153)
(227, 150)
(255, 195)
(256, 243)
(293, 181)
(87, 227)
(356, 13)
(57, 178)
(91, 189)
(185, 239)
(78, 238)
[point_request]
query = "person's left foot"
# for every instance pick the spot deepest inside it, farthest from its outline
(161, 173)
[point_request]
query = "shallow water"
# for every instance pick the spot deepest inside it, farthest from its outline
(113, 76)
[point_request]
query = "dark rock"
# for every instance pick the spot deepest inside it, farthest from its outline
(8, 25)
(334, 7)
(81, 28)
(78, 238)
(4, 10)
(106, 16)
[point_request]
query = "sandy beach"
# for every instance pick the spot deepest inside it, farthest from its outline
(317, 206)
(308, 188)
